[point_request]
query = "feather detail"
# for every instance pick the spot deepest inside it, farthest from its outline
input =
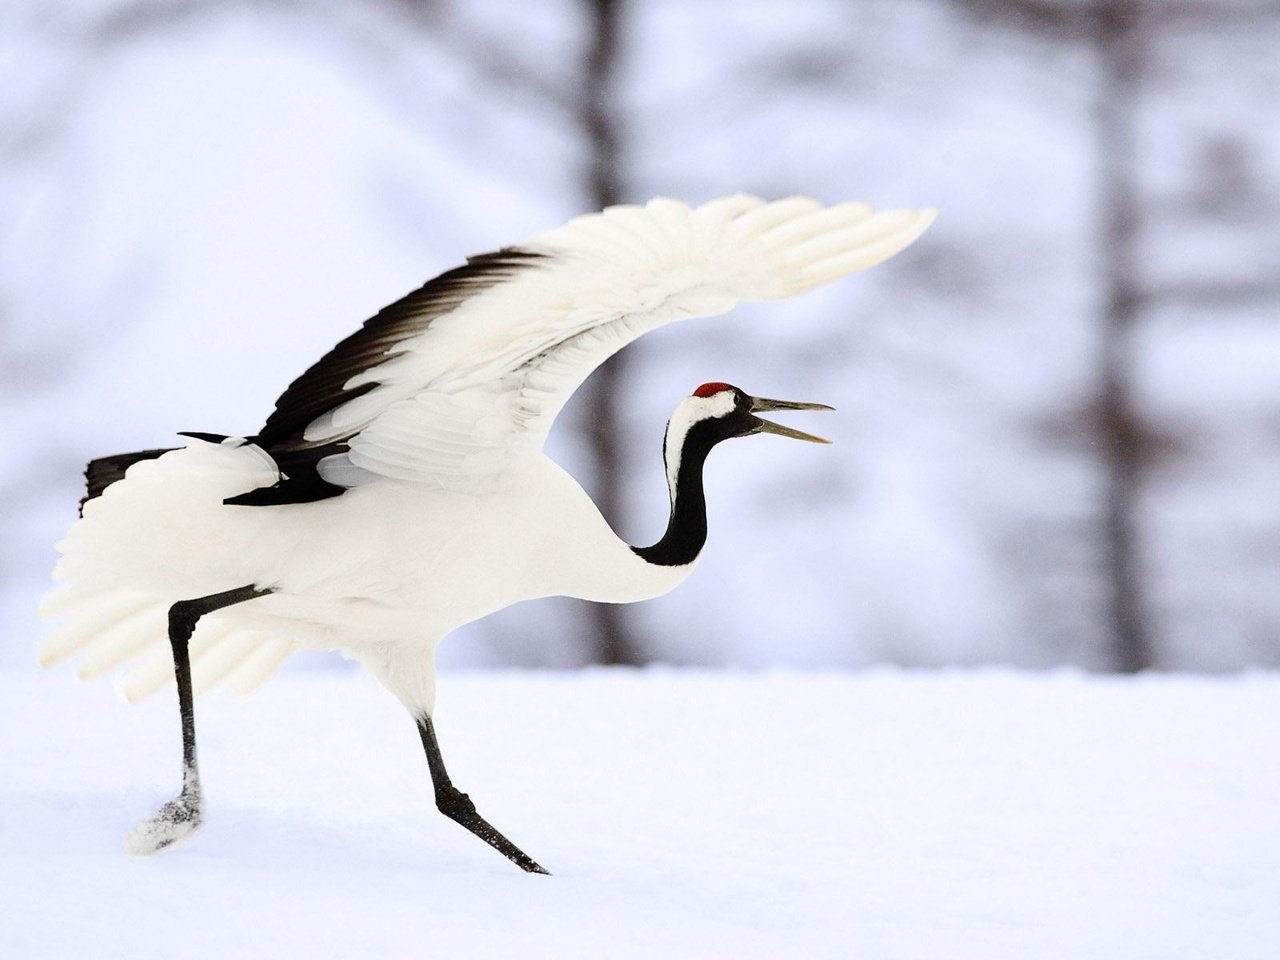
(453, 384)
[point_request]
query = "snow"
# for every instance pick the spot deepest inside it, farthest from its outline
(683, 813)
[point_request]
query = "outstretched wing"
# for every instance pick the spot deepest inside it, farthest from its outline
(452, 384)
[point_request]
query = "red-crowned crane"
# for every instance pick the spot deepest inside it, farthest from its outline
(400, 490)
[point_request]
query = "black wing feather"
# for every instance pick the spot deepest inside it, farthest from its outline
(103, 472)
(322, 387)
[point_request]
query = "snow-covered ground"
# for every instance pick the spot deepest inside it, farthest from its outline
(683, 814)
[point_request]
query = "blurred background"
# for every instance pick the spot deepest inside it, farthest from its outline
(1059, 428)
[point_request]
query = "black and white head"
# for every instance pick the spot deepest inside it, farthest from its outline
(718, 411)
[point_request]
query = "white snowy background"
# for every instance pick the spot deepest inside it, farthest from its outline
(198, 198)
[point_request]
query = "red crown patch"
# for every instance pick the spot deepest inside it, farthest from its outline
(711, 389)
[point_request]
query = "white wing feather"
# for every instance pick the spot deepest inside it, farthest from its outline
(455, 405)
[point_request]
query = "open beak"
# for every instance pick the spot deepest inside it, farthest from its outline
(761, 405)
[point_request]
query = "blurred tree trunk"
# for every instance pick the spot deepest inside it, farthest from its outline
(1114, 28)
(1119, 40)
(612, 624)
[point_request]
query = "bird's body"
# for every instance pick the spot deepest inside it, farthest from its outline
(399, 490)
(381, 573)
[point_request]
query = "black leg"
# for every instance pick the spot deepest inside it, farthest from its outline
(180, 816)
(457, 806)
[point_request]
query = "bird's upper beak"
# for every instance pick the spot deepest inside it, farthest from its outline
(761, 405)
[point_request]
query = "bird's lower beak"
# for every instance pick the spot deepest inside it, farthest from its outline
(761, 405)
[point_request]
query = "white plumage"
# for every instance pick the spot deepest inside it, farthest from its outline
(458, 404)
(423, 433)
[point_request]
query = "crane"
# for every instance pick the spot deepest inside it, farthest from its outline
(399, 489)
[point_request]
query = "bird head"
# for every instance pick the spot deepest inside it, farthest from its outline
(718, 411)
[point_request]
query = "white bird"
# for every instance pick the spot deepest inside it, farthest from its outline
(399, 490)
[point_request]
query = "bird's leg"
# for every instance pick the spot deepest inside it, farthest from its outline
(179, 817)
(457, 806)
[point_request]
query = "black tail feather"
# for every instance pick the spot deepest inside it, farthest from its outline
(105, 471)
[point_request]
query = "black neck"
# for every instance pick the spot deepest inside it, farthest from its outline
(687, 528)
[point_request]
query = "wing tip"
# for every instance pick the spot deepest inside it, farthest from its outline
(50, 658)
(874, 250)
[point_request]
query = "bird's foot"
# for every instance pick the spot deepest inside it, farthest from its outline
(457, 806)
(175, 821)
